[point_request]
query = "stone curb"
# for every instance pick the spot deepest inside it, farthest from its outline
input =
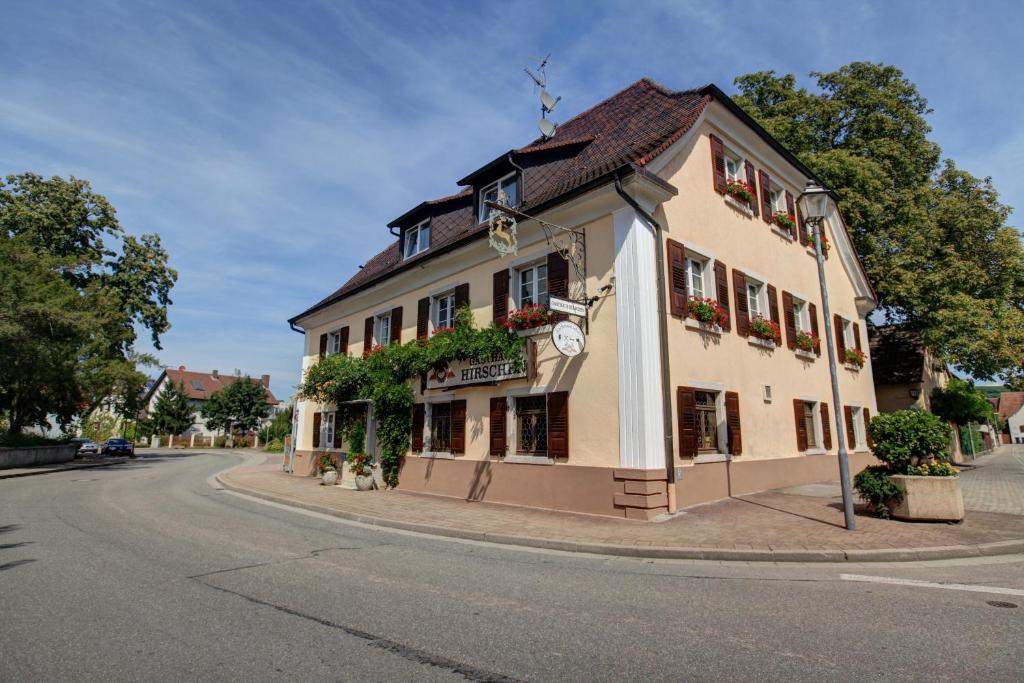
(54, 470)
(657, 552)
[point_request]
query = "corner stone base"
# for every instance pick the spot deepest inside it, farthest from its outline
(644, 493)
(929, 499)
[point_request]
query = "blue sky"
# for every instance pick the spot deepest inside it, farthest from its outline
(269, 143)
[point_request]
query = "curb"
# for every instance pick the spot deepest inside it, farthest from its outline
(948, 552)
(82, 466)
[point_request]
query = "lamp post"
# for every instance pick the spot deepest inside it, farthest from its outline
(814, 203)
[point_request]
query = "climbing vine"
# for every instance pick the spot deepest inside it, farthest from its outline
(384, 376)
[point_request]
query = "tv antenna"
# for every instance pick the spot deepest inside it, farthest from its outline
(547, 102)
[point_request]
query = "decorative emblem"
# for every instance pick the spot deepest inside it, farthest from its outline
(502, 233)
(568, 338)
(441, 376)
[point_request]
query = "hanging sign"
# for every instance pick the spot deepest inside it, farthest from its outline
(502, 229)
(566, 306)
(568, 338)
(462, 373)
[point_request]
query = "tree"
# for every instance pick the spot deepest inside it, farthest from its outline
(172, 413)
(960, 403)
(933, 238)
(240, 406)
(71, 304)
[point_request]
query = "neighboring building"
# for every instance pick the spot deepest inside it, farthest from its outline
(199, 386)
(590, 433)
(905, 372)
(1009, 406)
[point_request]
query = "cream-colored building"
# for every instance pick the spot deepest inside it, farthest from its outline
(659, 411)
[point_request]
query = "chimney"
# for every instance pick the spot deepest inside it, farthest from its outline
(181, 367)
(215, 374)
(266, 381)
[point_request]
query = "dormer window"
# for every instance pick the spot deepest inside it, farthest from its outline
(417, 239)
(491, 192)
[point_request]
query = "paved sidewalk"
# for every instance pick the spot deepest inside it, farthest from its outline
(996, 482)
(78, 464)
(773, 526)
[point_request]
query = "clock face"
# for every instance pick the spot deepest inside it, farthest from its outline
(568, 338)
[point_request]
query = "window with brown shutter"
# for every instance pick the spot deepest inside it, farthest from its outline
(851, 436)
(338, 436)
(801, 425)
(558, 424)
(423, 318)
(459, 426)
(498, 426)
(773, 309)
(316, 429)
(722, 285)
(343, 334)
(323, 345)
(418, 413)
(813, 312)
(396, 326)
(752, 181)
(686, 408)
(837, 323)
(368, 336)
(826, 427)
(732, 422)
(461, 296)
(766, 196)
(677, 278)
(500, 301)
(739, 289)
(789, 313)
(718, 164)
(867, 427)
(558, 282)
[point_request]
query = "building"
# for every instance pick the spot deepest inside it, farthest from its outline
(199, 386)
(1009, 406)
(659, 411)
(905, 372)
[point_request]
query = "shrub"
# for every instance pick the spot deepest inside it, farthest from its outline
(220, 442)
(274, 446)
(877, 490)
(908, 437)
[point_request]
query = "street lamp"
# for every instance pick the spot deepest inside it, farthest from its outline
(814, 204)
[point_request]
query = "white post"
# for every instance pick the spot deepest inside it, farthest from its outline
(192, 441)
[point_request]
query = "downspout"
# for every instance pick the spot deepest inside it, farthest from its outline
(295, 329)
(522, 175)
(666, 383)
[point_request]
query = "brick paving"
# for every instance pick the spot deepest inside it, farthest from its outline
(996, 483)
(770, 521)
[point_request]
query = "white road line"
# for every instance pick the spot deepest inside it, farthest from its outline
(931, 584)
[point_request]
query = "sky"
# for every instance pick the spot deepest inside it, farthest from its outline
(270, 143)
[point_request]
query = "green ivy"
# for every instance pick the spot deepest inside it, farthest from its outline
(384, 377)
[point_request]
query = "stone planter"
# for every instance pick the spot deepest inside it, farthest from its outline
(330, 478)
(364, 482)
(929, 499)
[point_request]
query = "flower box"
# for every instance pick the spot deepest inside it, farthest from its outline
(740, 190)
(784, 221)
(707, 311)
(807, 341)
(854, 358)
(528, 317)
(928, 499)
(763, 328)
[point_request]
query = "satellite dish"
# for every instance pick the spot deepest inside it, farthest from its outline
(547, 101)
(547, 129)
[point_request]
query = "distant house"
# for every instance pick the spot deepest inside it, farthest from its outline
(905, 372)
(1009, 406)
(199, 386)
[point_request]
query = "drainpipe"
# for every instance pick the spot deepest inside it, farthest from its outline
(522, 177)
(666, 383)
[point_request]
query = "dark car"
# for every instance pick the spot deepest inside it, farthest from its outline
(119, 447)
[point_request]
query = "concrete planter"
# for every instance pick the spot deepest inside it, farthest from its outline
(37, 455)
(929, 499)
(330, 478)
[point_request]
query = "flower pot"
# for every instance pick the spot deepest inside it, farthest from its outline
(926, 499)
(364, 482)
(330, 478)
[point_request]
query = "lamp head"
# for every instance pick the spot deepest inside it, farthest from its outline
(814, 202)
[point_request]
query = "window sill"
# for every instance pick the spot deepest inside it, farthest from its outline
(782, 232)
(861, 449)
(739, 206)
(853, 368)
(703, 327)
(529, 459)
(533, 331)
(437, 455)
(806, 355)
(815, 451)
(764, 343)
(711, 457)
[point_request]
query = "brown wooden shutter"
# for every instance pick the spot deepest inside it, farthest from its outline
(367, 336)
(867, 427)
(790, 209)
(316, 429)
(337, 433)
(801, 226)
(722, 285)
(423, 318)
(558, 282)
(766, 196)
(826, 427)
(773, 309)
(686, 407)
(732, 422)
(558, 424)
(677, 278)
(344, 340)
(801, 428)
(837, 323)
(748, 168)
(499, 418)
(790, 316)
(717, 164)
(851, 437)
(396, 325)
(501, 279)
(856, 336)
(459, 426)
(739, 288)
(814, 327)
(418, 415)
(323, 345)
(461, 295)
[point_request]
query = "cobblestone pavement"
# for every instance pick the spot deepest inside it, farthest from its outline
(996, 483)
(765, 521)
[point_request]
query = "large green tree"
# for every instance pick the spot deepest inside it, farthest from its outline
(933, 237)
(171, 412)
(76, 288)
(238, 407)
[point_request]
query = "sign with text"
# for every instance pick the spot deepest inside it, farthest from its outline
(462, 373)
(566, 306)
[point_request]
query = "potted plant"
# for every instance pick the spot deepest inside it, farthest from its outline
(854, 356)
(784, 221)
(740, 190)
(707, 311)
(914, 482)
(359, 463)
(763, 328)
(527, 317)
(328, 470)
(807, 341)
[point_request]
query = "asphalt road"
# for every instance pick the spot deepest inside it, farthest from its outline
(145, 571)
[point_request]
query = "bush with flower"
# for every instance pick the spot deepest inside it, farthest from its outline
(854, 356)
(763, 328)
(807, 341)
(527, 317)
(740, 190)
(707, 311)
(785, 221)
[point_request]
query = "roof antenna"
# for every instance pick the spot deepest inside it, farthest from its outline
(547, 102)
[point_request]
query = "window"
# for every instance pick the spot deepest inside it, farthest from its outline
(334, 343)
(848, 339)
(327, 430)
(417, 239)
(802, 315)
(695, 270)
(532, 425)
(757, 298)
(707, 422)
(492, 192)
(778, 198)
(440, 427)
(532, 285)
(859, 431)
(734, 167)
(197, 385)
(811, 424)
(444, 310)
(382, 331)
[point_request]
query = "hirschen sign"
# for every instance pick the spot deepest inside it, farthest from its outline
(458, 374)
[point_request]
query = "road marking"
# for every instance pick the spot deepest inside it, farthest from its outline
(931, 584)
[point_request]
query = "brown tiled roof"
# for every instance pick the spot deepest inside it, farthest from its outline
(207, 381)
(1009, 403)
(897, 355)
(631, 127)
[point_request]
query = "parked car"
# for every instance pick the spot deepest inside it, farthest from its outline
(119, 446)
(87, 446)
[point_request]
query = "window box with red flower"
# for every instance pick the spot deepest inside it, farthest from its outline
(527, 318)
(707, 312)
(761, 328)
(740, 190)
(785, 221)
(825, 244)
(854, 358)
(807, 341)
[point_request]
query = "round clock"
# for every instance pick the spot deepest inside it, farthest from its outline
(568, 338)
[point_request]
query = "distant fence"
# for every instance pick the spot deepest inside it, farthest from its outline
(200, 441)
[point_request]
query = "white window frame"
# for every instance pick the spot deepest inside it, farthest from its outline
(334, 342)
(418, 236)
(738, 162)
(849, 341)
(859, 428)
(718, 389)
(484, 211)
(378, 337)
(517, 296)
(802, 314)
(327, 426)
(428, 446)
(819, 434)
(778, 198)
(692, 260)
(761, 296)
(435, 309)
(512, 428)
